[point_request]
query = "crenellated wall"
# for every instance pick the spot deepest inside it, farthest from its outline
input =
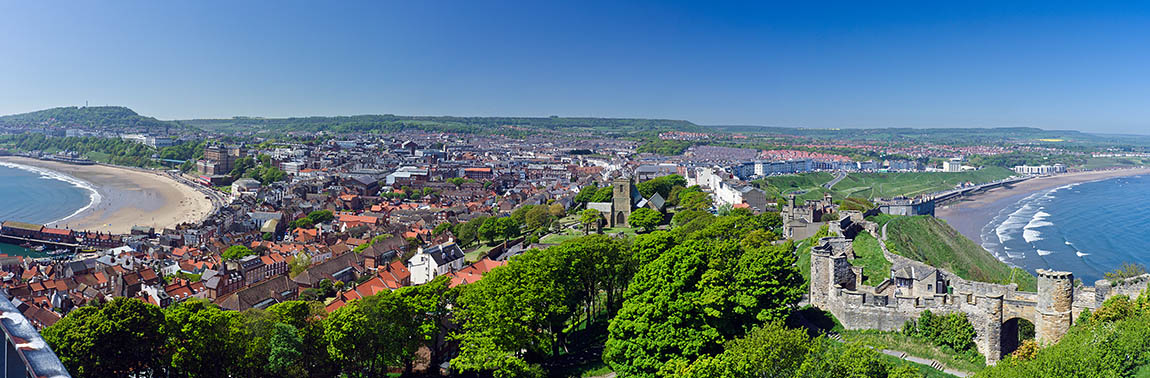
(991, 308)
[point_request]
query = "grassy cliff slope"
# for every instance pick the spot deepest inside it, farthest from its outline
(932, 241)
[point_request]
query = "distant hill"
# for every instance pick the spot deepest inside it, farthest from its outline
(116, 118)
(477, 125)
(932, 241)
(961, 136)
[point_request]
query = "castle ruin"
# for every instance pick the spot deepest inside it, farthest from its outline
(913, 287)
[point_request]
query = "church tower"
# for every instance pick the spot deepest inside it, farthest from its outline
(621, 202)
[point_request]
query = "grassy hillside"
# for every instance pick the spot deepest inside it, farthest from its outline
(875, 185)
(103, 117)
(932, 241)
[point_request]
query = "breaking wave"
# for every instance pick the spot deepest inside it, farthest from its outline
(93, 195)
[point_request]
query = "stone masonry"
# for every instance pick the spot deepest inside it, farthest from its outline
(994, 310)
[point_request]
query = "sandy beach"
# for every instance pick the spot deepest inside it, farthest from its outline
(971, 214)
(129, 197)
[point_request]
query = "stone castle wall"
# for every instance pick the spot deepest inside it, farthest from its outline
(988, 306)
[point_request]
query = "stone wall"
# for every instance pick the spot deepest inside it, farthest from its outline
(988, 306)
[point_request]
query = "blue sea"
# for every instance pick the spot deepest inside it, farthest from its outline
(1086, 228)
(35, 195)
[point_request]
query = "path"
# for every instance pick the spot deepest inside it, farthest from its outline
(922, 361)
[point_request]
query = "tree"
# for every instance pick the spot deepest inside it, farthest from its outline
(588, 218)
(236, 252)
(367, 335)
(539, 217)
(662, 185)
(468, 233)
(204, 340)
(432, 304)
(690, 299)
(645, 218)
(604, 194)
(694, 198)
(586, 193)
(285, 349)
(308, 320)
(84, 339)
(769, 351)
(686, 216)
(517, 307)
(321, 216)
(556, 209)
(304, 222)
(272, 174)
(299, 263)
(441, 228)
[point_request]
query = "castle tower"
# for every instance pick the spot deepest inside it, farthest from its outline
(1054, 311)
(621, 198)
(822, 277)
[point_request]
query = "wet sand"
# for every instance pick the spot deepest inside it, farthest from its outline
(129, 197)
(971, 214)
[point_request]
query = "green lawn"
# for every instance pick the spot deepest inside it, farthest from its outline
(873, 185)
(562, 236)
(569, 234)
(932, 241)
(868, 255)
(477, 253)
(1111, 162)
(971, 362)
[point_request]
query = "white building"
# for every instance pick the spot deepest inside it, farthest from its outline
(435, 261)
(952, 165)
(1040, 169)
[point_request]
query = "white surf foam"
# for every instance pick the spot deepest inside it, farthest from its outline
(1031, 235)
(1081, 254)
(1043, 252)
(93, 195)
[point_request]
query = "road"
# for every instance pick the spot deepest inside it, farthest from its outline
(839, 176)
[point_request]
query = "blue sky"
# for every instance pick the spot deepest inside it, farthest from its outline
(961, 64)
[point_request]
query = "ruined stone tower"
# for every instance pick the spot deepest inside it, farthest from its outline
(621, 201)
(1054, 311)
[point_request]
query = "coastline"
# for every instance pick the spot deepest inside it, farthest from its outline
(971, 214)
(125, 197)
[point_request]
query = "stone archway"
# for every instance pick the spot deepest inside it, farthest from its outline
(1014, 332)
(620, 219)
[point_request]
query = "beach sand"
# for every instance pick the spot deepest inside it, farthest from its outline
(971, 214)
(129, 197)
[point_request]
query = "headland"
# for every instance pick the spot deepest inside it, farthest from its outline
(971, 214)
(127, 197)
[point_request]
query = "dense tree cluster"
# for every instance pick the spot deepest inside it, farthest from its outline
(108, 150)
(128, 337)
(951, 330)
(665, 147)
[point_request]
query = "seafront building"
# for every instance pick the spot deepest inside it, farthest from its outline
(1040, 169)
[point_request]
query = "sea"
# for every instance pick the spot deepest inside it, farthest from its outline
(1086, 228)
(36, 195)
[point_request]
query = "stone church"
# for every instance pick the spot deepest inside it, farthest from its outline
(625, 197)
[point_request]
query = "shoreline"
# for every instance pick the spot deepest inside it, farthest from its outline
(969, 215)
(124, 197)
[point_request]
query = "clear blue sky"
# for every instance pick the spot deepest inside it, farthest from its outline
(1002, 63)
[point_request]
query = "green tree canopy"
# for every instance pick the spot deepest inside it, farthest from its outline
(236, 252)
(117, 339)
(645, 218)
